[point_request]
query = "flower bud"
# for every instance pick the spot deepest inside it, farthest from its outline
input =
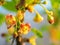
(50, 19)
(30, 8)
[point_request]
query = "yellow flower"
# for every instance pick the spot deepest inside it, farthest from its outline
(20, 15)
(38, 18)
(10, 20)
(24, 28)
(32, 40)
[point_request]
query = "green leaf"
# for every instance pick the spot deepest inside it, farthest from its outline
(2, 19)
(11, 6)
(37, 32)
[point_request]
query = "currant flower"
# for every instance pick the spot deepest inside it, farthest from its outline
(20, 15)
(10, 20)
(24, 28)
(38, 18)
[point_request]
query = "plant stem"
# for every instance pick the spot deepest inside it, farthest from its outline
(18, 41)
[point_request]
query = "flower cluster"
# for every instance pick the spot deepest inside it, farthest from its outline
(24, 28)
(11, 22)
(16, 26)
